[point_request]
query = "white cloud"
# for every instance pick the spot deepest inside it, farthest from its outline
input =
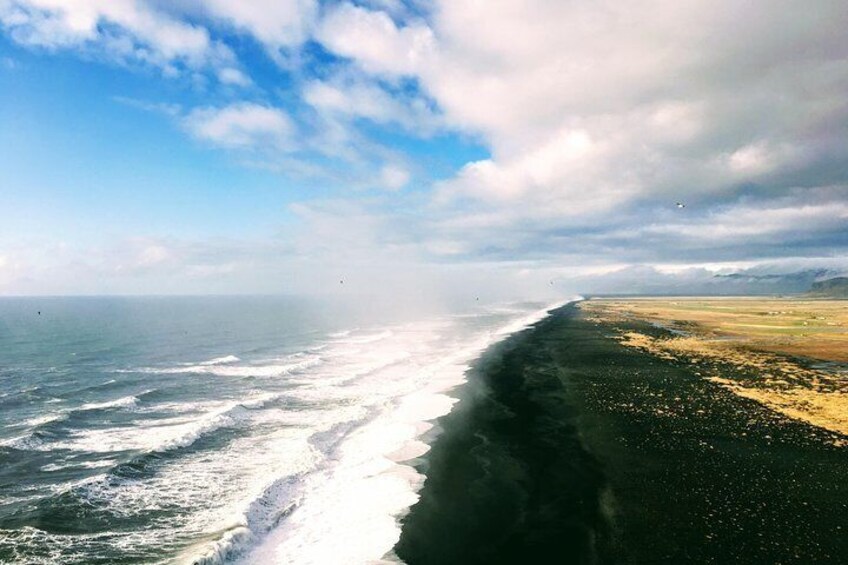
(142, 255)
(669, 95)
(597, 117)
(355, 98)
(163, 34)
(275, 23)
(751, 221)
(760, 158)
(242, 125)
(172, 110)
(394, 177)
(233, 77)
(372, 39)
(123, 29)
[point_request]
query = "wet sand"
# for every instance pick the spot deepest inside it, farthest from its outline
(570, 447)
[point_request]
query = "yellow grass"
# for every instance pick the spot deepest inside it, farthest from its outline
(810, 328)
(758, 336)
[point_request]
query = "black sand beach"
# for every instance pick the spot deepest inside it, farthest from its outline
(568, 447)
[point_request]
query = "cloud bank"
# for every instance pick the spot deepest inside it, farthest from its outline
(595, 118)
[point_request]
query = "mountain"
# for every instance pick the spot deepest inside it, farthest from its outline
(643, 279)
(751, 282)
(836, 287)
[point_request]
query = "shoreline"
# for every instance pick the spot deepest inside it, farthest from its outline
(567, 446)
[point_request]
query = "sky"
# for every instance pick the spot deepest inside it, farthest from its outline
(499, 148)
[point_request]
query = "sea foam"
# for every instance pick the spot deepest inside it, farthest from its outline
(349, 510)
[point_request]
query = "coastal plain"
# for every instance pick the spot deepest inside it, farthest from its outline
(789, 354)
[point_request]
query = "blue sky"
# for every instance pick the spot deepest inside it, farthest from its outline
(267, 146)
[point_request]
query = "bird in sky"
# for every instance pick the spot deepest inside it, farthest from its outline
(680, 205)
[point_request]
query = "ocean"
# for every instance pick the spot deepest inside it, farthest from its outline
(221, 429)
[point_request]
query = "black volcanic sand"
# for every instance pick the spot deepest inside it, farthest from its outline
(567, 447)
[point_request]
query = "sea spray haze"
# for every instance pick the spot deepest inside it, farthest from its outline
(219, 429)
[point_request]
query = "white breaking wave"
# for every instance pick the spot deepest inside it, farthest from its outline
(26, 442)
(46, 419)
(222, 360)
(125, 402)
(231, 415)
(348, 510)
(343, 333)
(221, 368)
(83, 464)
(368, 338)
(32, 442)
(213, 422)
(317, 468)
(161, 435)
(260, 515)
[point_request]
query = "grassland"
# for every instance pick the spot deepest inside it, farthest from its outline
(790, 355)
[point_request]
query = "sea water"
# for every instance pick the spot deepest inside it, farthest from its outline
(221, 429)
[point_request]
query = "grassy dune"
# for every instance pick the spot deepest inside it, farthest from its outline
(788, 354)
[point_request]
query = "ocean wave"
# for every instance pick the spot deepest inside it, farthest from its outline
(221, 360)
(98, 492)
(253, 519)
(356, 502)
(260, 515)
(123, 402)
(212, 423)
(369, 338)
(351, 426)
(157, 437)
(42, 429)
(229, 416)
(232, 415)
(343, 333)
(40, 421)
(26, 442)
(287, 366)
(79, 465)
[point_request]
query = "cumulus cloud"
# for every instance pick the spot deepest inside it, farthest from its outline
(275, 23)
(599, 116)
(666, 93)
(235, 77)
(242, 125)
(119, 29)
(757, 221)
(394, 176)
(374, 41)
(593, 119)
(351, 98)
(159, 33)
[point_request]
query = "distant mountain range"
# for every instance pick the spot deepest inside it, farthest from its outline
(648, 281)
(836, 287)
(784, 283)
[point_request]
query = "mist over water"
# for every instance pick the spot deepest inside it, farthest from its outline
(217, 430)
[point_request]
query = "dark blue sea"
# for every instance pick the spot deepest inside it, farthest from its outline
(221, 429)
